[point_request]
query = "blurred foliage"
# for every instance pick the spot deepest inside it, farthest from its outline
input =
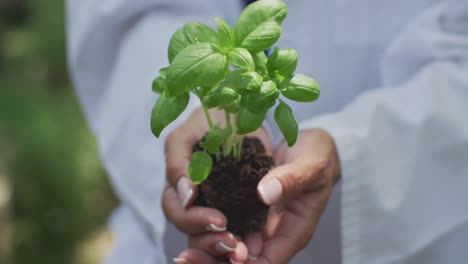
(61, 196)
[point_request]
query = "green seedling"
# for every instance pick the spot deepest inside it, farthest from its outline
(227, 69)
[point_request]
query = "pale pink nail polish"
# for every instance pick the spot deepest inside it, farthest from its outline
(223, 249)
(270, 191)
(184, 191)
(215, 228)
(180, 260)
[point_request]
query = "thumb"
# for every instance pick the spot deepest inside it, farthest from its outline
(178, 154)
(289, 181)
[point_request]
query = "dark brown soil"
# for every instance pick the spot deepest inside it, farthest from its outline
(232, 188)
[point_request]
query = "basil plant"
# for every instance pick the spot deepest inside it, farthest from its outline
(227, 69)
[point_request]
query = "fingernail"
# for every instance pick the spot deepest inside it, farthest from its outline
(180, 260)
(233, 262)
(270, 191)
(215, 228)
(222, 248)
(184, 191)
(252, 257)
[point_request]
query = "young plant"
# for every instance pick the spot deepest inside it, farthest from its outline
(227, 69)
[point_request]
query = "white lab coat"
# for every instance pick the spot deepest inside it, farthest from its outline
(394, 78)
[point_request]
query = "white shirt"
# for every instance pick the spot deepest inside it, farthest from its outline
(394, 78)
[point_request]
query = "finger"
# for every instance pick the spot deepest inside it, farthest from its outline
(254, 244)
(215, 244)
(178, 154)
(194, 256)
(290, 180)
(285, 234)
(277, 251)
(289, 229)
(240, 255)
(179, 146)
(193, 220)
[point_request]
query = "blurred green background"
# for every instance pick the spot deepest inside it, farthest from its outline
(54, 194)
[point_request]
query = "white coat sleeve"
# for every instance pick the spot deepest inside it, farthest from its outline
(404, 146)
(115, 48)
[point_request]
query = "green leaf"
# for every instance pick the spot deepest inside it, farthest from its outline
(159, 85)
(200, 166)
(242, 59)
(258, 26)
(263, 37)
(300, 88)
(222, 96)
(248, 121)
(237, 78)
(242, 80)
(262, 100)
(286, 122)
(163, 72)
(256, 81)
(226, 36)
(283, 62)
(215, 138)
(167, 110)
(232, 107)
(190, 33)
(197, 65)
(201, 91)
(260, 60)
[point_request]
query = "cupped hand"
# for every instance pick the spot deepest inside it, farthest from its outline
(298, 190)
(205, 227)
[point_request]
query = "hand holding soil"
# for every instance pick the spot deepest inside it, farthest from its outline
(206, 227)
(298, 191)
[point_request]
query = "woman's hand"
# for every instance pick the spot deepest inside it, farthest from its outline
(298, 190)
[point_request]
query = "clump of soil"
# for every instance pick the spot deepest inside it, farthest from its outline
(232, 187)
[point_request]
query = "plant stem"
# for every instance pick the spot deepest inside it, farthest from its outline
(240, 140)
(234, 148)
(228, 148)
(234, 138)
(208, 117)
